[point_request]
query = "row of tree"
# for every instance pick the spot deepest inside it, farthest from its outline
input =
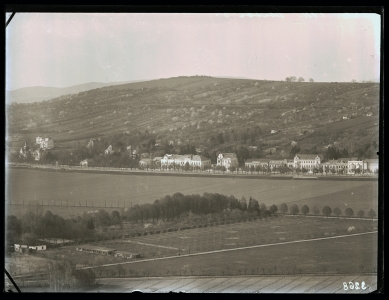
(326, 211)
(300, 79)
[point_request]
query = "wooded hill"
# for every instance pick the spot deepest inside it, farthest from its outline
(211, 113)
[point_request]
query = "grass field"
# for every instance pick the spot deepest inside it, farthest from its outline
(80, 189)
(357, 198)
(355, 254)
(230, 236)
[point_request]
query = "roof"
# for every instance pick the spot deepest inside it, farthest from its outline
(127, 253)
(90, 247)
(258, 160)
(372, 161)
(277, 161)
(229, 155)
(307, 156)
(146, 159)
(199, 158)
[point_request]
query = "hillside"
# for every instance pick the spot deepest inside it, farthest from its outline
(41, 93)
(213, 113)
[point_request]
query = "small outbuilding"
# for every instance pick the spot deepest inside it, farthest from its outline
(95, 249)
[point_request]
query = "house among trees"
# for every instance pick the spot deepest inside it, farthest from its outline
(227, 160)
(157, 160)
(45, 143)
(146, 162)
(23, 151)
(84, 163)
(109, 150)
(36, 153)
(91, 143)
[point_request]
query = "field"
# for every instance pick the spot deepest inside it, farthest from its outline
(119, 190)
(354, 254)
(230, 237)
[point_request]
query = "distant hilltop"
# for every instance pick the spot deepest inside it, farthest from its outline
(41, 93)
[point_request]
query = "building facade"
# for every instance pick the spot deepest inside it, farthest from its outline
(372, 165)
(181, 160)
(227, 160)
(45, 143)
(307, 161)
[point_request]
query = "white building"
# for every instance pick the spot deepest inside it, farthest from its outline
(372, 165)
(45, 143)
(307, 161)
(182, 160)
(84, 163)
(227, 160)
(354, 164)
(109, 150)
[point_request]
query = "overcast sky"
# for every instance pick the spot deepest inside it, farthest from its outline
(63, 49)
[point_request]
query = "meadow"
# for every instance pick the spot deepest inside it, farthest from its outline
(238, 235)
(354, 254)
(98, 190)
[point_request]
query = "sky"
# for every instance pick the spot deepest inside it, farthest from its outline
(65, 49)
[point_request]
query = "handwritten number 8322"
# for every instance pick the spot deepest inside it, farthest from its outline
(352, 286)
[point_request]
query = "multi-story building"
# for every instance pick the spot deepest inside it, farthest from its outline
(256, 162)
(276, 163)
(45, 143)
(354, 165)
(227, 160)
(307, 161)
(372, 165)
(346, 165)
(181, 160)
